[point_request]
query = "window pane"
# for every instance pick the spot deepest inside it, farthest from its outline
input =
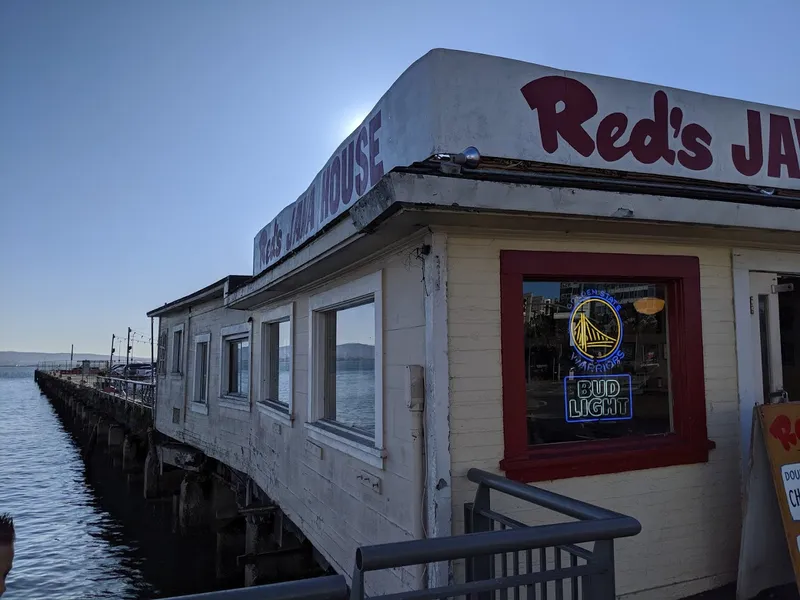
(202, 364)
(284, 356)
(233, 367)
(243, 385)
(353, 389)
(177, 339)
(596, 360)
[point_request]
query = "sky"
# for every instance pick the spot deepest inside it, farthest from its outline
(144, 144)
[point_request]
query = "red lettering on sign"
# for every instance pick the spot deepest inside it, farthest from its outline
(340, 178)
(303, 222)
(750, 163)
(564, 105)
(546, 95)
(269, 246)
(781, 429)
(347, 173)
(375, 166)
(362, 178)
(781, 148)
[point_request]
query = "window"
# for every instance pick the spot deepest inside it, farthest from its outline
(177, 350)
(349, 367)
(602, 363)
(276, 391)
(235, 379)
(346, 375)
(200, 382)
(162, 353)
(238, 367)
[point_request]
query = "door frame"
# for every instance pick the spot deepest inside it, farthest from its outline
(743, 262)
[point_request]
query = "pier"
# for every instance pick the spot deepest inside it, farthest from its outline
(267, 556)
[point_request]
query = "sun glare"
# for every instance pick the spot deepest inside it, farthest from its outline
(351, 123)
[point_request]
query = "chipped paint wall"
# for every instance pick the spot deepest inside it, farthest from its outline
(338, 501)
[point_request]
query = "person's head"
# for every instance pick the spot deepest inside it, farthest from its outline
(6, 549)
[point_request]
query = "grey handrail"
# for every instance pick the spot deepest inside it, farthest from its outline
(412, 552)
(555, 502)
(332, 587)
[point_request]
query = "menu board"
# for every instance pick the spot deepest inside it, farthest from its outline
(780, 429)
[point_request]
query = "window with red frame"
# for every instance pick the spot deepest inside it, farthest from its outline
(602, 363)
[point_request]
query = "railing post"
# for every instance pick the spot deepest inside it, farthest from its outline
(481, 567)
(357, 587)
(601, 586)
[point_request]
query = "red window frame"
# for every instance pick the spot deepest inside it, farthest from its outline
(689, 441)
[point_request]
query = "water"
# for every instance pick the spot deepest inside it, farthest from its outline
(79, 538)
(355, 395)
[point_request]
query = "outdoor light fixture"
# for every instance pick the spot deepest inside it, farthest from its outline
(649, 306)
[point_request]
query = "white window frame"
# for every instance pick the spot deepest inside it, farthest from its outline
(373, 452)
(228, 334)
(182, 357)
(195, 405)
(275, 410)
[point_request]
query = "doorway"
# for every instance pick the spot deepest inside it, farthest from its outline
(775, 327)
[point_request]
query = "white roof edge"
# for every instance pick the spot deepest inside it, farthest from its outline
(448, 100)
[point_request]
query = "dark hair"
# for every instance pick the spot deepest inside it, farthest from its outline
(6, 529)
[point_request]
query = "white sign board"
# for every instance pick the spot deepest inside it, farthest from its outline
(790, 476)
(449, 100)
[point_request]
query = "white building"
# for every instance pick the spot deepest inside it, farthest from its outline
(405, 252)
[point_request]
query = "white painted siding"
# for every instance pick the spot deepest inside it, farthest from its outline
(690, 515)
(224, 433)
(323, 496)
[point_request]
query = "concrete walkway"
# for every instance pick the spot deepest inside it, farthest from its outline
(728, 592)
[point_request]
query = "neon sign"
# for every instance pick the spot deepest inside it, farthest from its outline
(598, 398)
(595, 331)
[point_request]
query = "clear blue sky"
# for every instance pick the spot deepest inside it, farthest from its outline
(143, 144)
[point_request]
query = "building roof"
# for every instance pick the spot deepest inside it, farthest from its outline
(218, 289)
(520, 112)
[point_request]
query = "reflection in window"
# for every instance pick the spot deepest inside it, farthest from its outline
(201, 372)
(349, 382)
(276, 366)
(596, 360)
(238, 367)
(177, 350)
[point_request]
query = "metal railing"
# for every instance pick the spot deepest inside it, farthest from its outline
(589, 573)
(331, 587)
(132, 390)
(74, 367)
(501, 557)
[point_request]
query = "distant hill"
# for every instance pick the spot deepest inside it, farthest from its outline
(31, 359)
(349, 352)
(355, 352)
(344, 352)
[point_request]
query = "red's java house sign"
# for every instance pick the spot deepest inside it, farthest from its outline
(565, 105)
(528, 112)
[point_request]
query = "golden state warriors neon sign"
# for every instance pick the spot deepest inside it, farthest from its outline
(595, 331)
(595, 334)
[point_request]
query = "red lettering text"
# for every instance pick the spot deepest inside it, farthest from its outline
(375, 166)
(564, 105)
(781, 430)
(347, 173)
(340, 178)
(302, 223)
(269, 246)
(362, 178)
(750, 165)
(782, 151)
